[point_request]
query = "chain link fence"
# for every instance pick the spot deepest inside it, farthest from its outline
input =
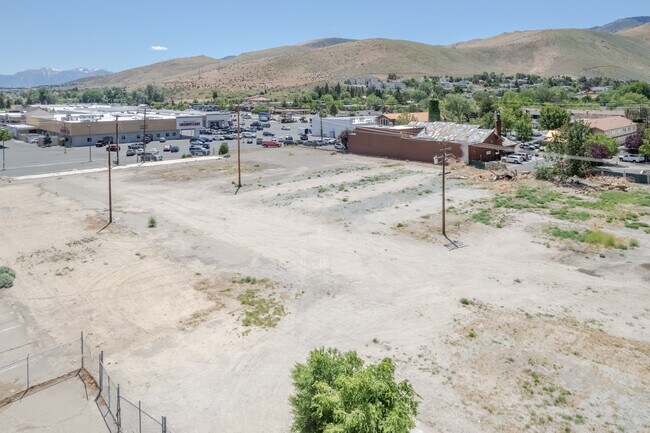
(27, 375)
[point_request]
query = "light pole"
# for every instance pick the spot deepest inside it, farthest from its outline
(238, 151)
(117, 138)
(90, 146)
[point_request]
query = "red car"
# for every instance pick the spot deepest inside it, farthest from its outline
(271, 143)
(112, 148)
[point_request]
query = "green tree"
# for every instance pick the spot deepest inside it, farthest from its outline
(336, 393)
(333, 109)
(571, 142)
(487, 121)
(405, 119)
(524, 128)
(553, 117)
(610, 143)
(458, 107)
(4, 136)
(223, 149)
(509, 117)
(434, 110)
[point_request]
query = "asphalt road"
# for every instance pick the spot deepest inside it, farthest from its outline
(22, 159)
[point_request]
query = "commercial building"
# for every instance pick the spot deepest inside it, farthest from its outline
(85, 125)
(75, 126)
(333, 126)
(422, 141)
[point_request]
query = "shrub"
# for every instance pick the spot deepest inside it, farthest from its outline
(152, 222)
(7, 276)
(7, 270)
(224, 149)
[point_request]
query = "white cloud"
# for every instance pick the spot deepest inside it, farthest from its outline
(158, 48)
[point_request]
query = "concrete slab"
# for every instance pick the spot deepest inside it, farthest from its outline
(63, 407)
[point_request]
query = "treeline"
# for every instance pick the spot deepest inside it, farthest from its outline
(151, 95)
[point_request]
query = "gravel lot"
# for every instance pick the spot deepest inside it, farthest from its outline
(551, 337)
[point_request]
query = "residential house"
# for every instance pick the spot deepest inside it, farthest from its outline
(616, 127)
(389, 119)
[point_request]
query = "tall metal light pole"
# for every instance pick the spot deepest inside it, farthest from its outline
(144, 133)
(238, 150)
(90, 146)
(110, 193)
(117, 137)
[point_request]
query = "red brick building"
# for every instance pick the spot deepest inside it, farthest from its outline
(421, 141)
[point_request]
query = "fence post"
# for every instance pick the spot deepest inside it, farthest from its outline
(82, 349)
(101, 371)
(28, 371)
(139, 416)
(117, 412)
(164, 424)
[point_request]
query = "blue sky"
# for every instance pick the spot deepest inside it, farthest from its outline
(120, 34)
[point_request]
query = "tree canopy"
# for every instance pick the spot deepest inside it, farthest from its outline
(553, 117)
(336, 393)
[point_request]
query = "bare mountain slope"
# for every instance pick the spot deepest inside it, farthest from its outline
(158, 72)
(641, 33)
(544, 52)
(622, 24)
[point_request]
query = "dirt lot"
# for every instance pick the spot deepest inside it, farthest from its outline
(518, 329)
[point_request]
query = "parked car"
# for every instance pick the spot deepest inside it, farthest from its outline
(197, 149)
(628, 157)
(268, 134)
(113, 147)
(152, 155)
(514, 159)
(271, 143)
(259, 141)
(525, 156)
(130, 152)
(174, 149)
(196, 141)
(162, 139)
(285, 128)
(249, 141)
(167, 148)
(100, 143)
(266, 125)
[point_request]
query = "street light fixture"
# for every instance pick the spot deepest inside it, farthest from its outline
(90, 146)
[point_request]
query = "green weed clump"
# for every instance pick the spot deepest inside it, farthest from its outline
(152, 223)
(593, 237)
(262, 312)
(483, 216)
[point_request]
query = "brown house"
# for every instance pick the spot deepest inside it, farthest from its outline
(422, 141)
(389, 119)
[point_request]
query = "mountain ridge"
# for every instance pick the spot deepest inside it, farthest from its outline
(48, 77)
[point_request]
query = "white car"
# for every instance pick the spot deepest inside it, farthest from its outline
(285, 128)
(628, 157)
(514, 159)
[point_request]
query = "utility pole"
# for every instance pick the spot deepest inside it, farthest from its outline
(110, 193)
(144, 133)
(321, 125)
(117, 137)
(238, 150)
(444, 170)
(90, 146)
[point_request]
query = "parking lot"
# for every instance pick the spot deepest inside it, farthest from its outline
(22, 159)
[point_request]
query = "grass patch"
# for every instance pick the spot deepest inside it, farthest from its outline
(264, 312)
(526, 198)
(594, 237)
(566, 214)
(483, 216)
